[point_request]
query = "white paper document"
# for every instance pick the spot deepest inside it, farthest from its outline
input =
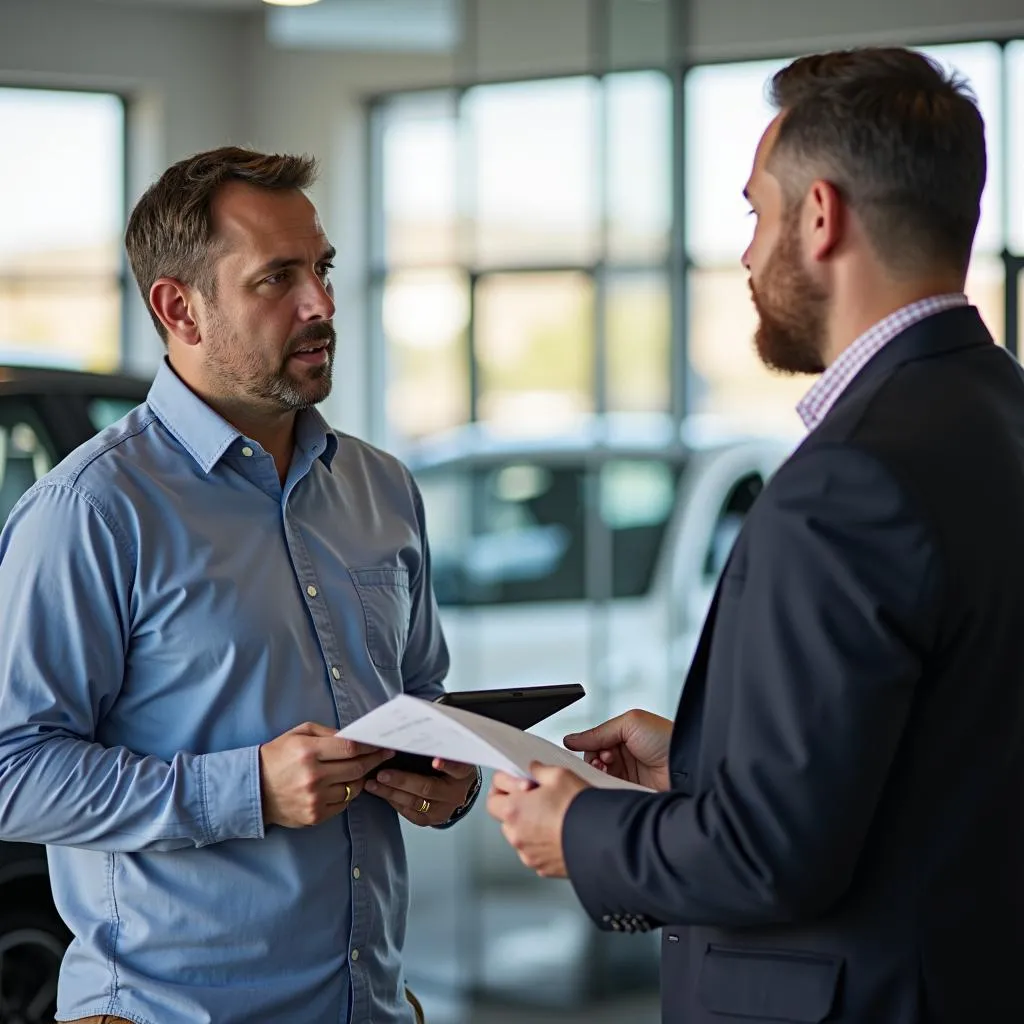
(421, 727)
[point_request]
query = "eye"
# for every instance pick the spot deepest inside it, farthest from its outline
(324, 270)
(277, 278)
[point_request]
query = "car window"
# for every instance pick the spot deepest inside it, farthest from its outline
(105, 411)
(727, 526)
(25, 455)
(505, 534)
(637, 500)
(516, 533)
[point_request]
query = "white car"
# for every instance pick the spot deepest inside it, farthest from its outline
(591, 558)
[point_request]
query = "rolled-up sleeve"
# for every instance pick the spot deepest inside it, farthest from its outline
(66, 584)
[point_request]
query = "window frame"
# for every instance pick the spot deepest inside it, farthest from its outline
(678, 261)
(120, 279)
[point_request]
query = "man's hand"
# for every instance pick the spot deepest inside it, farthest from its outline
(309, 774)
(425, 799)
(633, 746)
(532, 814)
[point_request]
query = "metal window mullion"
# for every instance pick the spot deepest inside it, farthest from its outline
(678, 278)
(123, 344)
(1013, 267)
(377, 425)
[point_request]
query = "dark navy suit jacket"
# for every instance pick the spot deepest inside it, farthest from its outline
(844, 836)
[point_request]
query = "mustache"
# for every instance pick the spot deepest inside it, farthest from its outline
(322, 330)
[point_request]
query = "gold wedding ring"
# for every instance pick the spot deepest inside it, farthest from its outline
(424, 806)
(348, 792)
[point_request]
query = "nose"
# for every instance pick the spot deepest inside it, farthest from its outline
(745, 258)
(318, 300)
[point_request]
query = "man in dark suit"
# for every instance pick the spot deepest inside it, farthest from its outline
(838, 832)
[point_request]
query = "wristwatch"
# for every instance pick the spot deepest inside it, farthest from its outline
(464, 808)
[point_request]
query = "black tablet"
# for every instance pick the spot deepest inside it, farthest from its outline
(521, 707)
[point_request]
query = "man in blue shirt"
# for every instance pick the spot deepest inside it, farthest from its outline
(195, 601)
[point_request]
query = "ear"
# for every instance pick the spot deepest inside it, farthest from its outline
(172, 302)
(824, 219)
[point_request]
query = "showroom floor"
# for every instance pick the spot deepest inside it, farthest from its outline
(635, 1011)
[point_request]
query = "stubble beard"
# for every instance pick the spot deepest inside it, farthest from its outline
(792, 310)
(240, 371)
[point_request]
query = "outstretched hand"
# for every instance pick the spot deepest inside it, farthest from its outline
(633, 746)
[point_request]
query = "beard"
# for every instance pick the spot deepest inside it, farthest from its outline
(792, 309)
(241, 372)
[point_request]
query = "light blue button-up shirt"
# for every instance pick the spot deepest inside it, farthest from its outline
(168, 606)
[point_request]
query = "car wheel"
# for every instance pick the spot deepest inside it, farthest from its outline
(32, 946)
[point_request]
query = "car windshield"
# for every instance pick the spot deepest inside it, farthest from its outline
(520, 531)
(103, 410)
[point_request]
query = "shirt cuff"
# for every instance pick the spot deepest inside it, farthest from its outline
(232, 808)
(463, 809)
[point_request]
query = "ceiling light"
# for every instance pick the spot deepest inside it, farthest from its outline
(291, 3)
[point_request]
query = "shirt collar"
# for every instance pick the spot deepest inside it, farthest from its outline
(814, 406)
(207, 436)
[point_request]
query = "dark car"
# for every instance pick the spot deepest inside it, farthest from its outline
(44, 415)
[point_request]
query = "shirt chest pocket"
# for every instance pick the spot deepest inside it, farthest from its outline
(384, 595)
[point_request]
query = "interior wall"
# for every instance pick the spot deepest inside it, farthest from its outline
(737, 29)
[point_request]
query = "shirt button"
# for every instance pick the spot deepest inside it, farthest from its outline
(355, 954)
(311, 590)
(335, 671)
(356, 873)
(247, 452)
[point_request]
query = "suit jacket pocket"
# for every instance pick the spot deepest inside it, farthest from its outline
(768, 985)
(387, 604)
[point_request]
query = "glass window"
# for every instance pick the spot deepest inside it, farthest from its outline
(534, 348)
(980, 64)
(66, 321)
(520, 193)
(638, 339)
(1015, 145)
(727, 377)
(534, 153)
(986, 288)
(425, 315)
(419, 139)
(726, 114)
(60, 243)
(639, 175)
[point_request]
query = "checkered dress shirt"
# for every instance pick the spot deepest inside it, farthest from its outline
(836, 379)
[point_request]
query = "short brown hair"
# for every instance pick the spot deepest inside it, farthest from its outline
(902, 141)
(170, 232)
